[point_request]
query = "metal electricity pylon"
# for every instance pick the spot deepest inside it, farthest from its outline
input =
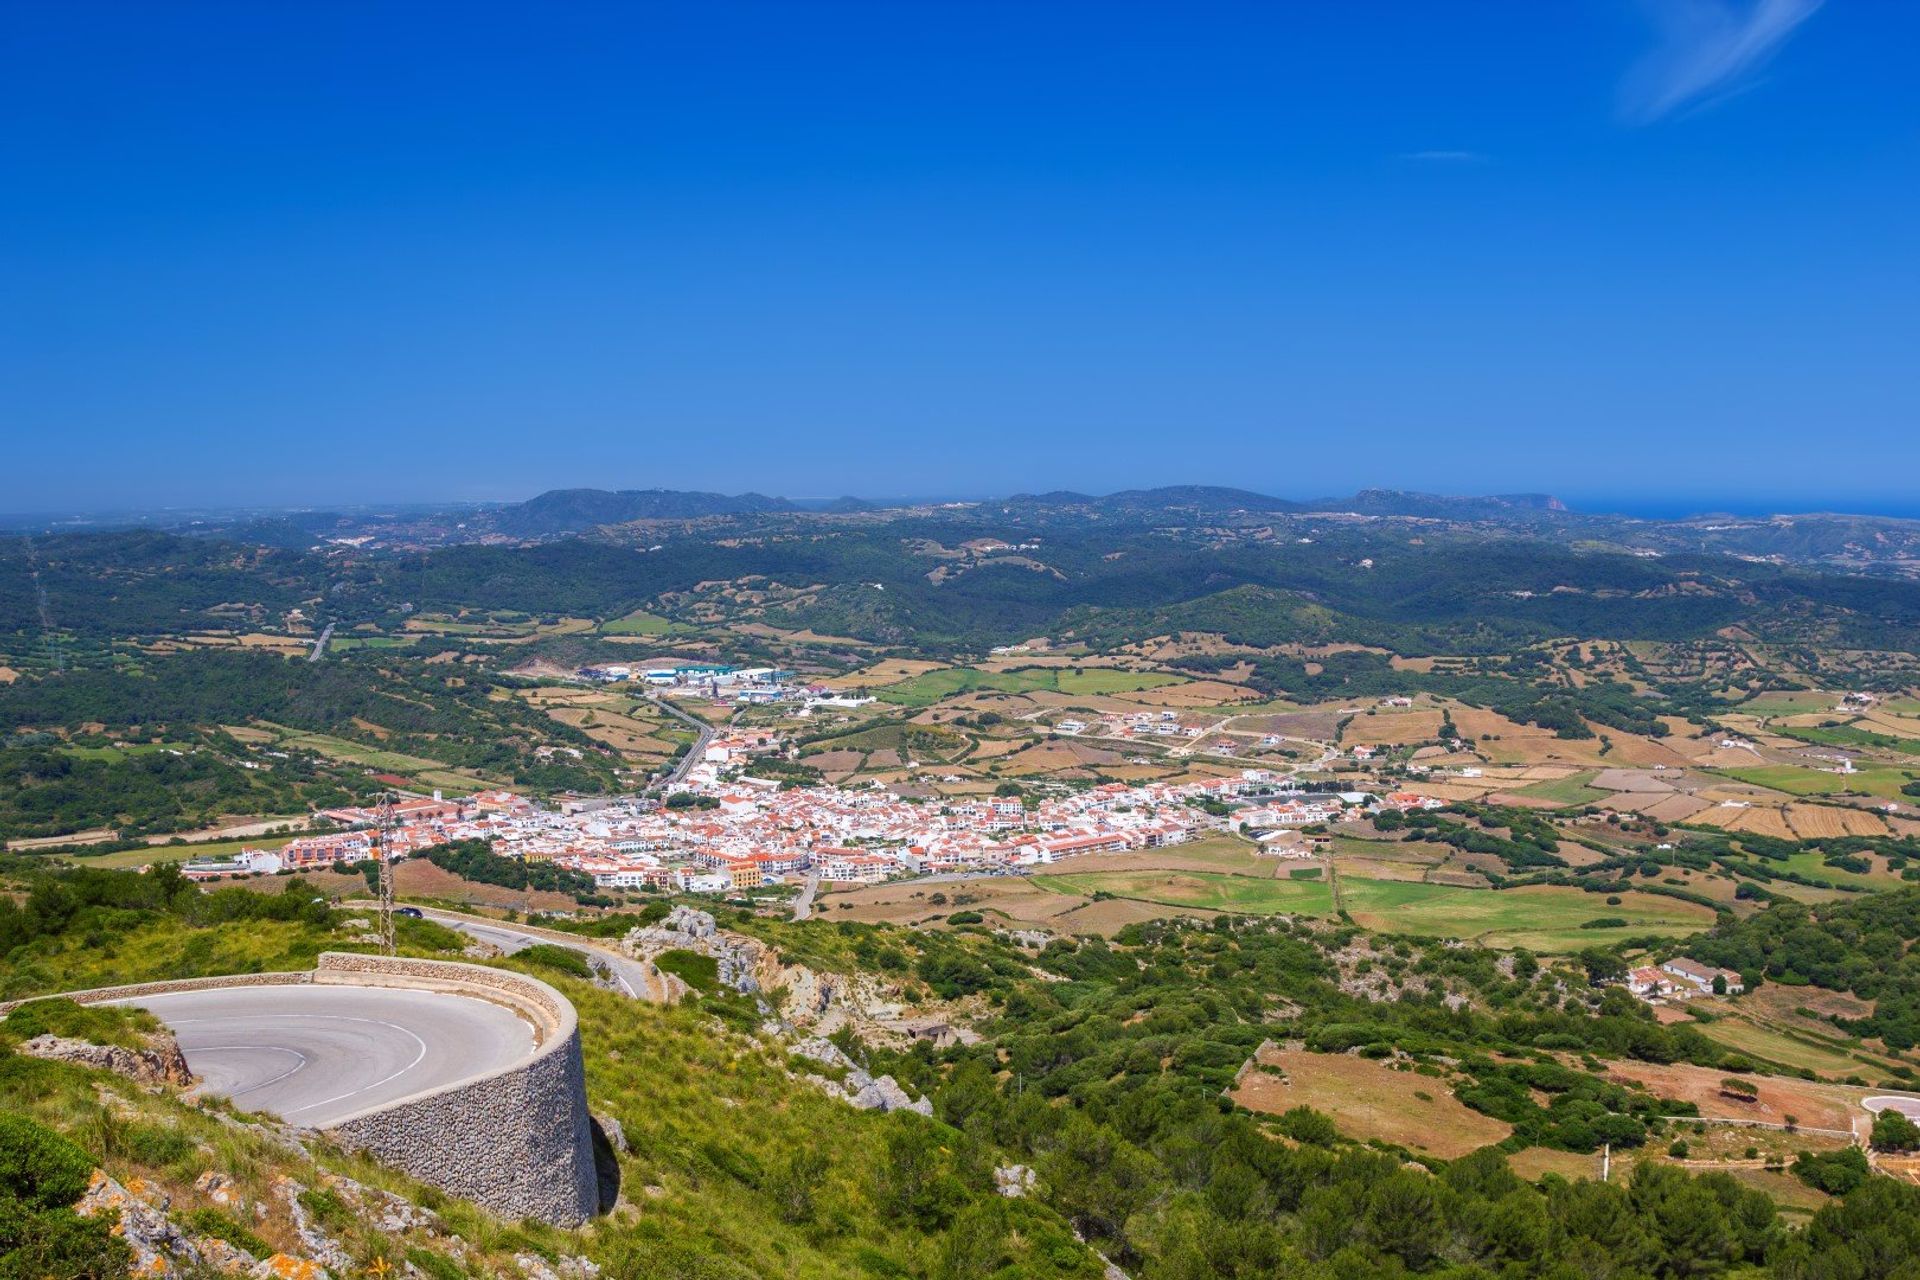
(383, 859)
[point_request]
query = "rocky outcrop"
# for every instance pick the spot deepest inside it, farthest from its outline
(138, 1214)
(689, 929)
(1014, 1180)
(857, 1087)
(160, 1062)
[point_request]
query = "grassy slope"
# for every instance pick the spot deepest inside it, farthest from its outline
(720, 1127)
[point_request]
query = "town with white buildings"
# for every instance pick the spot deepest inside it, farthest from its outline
(721, 831)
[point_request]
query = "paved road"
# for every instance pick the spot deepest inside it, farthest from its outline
(703, 734)
(320, 645)
(315, 1055)
(803, 905)
(634, 978)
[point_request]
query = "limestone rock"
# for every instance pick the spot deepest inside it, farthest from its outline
(1014, 1180)
(158, 1246)
(616, 1136)
(320, 1246)
(885, 1094)
(283, 1266)
(161, 1062)
(217, 1187)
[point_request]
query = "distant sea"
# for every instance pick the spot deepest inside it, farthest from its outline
(1662, 507)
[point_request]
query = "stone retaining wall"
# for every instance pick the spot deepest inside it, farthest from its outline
(135, 990)
(516, 1142)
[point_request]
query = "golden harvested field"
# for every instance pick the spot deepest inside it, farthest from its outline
(1368, 1100)
(1895, 725)
(282, 644)
(1004, 900)
(886, 672)
(1535, 1163)
(1216, 853)
(1815, 821)
(1196, 693)
(1394, 728)
(1815, 1105)
(1762, 820)
(1463, 790)
(1107, 918)
(1529, 744)
(1673, 808)
(1052, 757)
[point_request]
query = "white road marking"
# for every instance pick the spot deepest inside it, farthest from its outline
(353, 1093)
(323, 1017)
(251, 1048)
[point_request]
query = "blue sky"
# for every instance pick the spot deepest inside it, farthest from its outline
(337, 252)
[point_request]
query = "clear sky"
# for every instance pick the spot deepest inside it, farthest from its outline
(335, 251)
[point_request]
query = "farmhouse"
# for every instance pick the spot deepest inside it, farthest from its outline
(1701, 977)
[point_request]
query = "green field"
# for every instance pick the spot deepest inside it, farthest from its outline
(1774, 1046)
(638, 623)
(1810, 864)
(1543, 918)
(1569, 791)
(1875, 780)
(435, 772)
(121, 753)
(1854, 736)
(158, 853)
(1788, 702)
(1248, 895)
(931, 687)
(340, 644)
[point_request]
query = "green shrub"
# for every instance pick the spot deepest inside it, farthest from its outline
(702, 973)
(435, 1266)
(224, 1226)
(560, 959)
(155, 1146)
(97, 1024)
(41, 1175)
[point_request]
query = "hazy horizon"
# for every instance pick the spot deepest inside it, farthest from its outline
(1643, 506)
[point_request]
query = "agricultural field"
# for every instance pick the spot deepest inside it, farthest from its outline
(1793, 1051)
(1015, 902)
(1213, 891)
(1543, 918)
(1569, 792)
(640, 623)
(1393, 728)
(927, 688)
(1875, 780)
(421, 769)
(157, 854)
(1368, 1099)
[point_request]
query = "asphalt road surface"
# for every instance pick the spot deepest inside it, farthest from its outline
(633, 977)
(315, 1055)
(702, 735)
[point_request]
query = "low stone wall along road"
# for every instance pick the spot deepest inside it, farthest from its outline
(313, 1055)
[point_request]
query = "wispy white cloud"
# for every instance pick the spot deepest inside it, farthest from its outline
(1444, 157)
(1707, 49)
